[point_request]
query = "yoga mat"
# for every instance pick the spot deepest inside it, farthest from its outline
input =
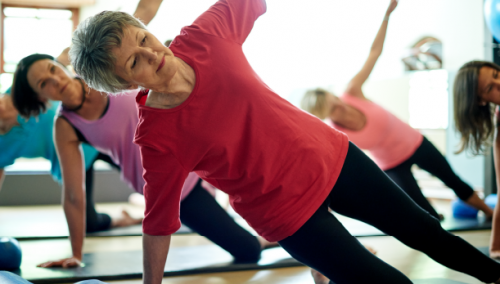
(128, 264)
(51, 224)
(436, 281)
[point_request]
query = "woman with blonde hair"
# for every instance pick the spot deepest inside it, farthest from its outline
(394, 145)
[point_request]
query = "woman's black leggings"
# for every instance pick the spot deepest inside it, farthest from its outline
(96, 221)
(201, 212)
(365, 193)
(428, 158)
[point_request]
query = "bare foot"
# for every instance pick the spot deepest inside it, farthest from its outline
(264, 244)
(125, 220)
(319, 278)
(495, 254)
(137, 199)
(370, 249)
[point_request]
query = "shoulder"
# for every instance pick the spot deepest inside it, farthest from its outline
(63, 129)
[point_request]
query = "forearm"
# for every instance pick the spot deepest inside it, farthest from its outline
(146, 10)
(495, 231)
(75, 216)
(378, 43)
(155, 251)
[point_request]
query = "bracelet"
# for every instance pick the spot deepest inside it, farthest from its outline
(386, 18)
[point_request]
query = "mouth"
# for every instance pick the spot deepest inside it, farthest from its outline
(64, 87)
(161, 64)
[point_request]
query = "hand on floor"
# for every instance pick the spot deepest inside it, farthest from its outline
(125, 220)
(64, 263)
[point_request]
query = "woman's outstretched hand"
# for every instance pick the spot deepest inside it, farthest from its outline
(392, 6)
(64, 263)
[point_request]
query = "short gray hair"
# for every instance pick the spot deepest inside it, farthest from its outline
(93, 41)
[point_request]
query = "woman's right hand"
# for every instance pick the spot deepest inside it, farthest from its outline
(64, 263)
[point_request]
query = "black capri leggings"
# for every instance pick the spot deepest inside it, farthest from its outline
(365, 193)
(96, 221)
(201, 212)
(428, 158)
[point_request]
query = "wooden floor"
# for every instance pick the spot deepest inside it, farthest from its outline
(412, 263)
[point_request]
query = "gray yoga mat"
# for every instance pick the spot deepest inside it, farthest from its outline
(51, 224)
(128, 264)
(436, 281)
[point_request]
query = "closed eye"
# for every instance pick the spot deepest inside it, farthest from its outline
(143, 40)
(133, 64)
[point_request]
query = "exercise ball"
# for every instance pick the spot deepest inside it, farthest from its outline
(492, 17)
(462, 210)
(491, 200)
(10, 254)
(91, 281)
(11, 278)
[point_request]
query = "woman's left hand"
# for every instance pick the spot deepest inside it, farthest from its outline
(392, 6)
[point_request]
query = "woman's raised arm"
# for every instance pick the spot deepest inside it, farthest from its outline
(354, 86)
(146, 10)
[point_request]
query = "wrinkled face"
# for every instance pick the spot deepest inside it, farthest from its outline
(142, 60)
(50, 80)
(489, 86)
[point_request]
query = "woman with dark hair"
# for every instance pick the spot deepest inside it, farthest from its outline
(108, 124)
(204, 109)
(394, 145)
(476, 93)
(32, 137)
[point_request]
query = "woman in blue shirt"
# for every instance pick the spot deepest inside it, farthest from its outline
(32, 138)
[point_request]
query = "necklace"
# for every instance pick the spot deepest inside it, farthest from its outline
(83, 97)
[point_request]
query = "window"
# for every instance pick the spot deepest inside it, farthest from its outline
(428, 99)
(28, 30)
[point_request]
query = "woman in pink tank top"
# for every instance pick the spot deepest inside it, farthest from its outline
(394, 145)
(108, 123)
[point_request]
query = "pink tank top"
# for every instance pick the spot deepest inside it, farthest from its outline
(113, 134)
(389, 140)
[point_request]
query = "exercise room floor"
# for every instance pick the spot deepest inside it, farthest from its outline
(412, 263)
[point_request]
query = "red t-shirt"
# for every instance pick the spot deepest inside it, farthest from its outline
(277, 163)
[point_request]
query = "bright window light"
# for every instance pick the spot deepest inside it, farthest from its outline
(428, 99)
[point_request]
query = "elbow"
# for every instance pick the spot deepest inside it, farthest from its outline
(72, 200)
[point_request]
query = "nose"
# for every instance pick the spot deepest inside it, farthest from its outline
(149, 54)
(55, 80)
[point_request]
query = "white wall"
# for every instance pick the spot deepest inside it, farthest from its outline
(300, 44)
